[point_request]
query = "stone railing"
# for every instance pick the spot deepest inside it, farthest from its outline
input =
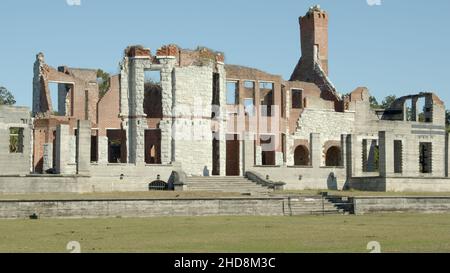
(258, 179)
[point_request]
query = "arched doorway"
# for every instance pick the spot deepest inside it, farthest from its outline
(333, 157)
(301, 156)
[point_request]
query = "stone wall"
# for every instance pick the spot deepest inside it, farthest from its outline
(15, 163)
(192, 126)
(366, 205)
(143, 208)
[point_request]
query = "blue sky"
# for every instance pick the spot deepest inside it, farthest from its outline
(398, 47)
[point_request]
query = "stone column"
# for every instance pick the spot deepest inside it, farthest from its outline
(47, 157)
(102, 149)
(62, 148)
(386, 154)
(316, 150)
(248, 155)
(83, 147)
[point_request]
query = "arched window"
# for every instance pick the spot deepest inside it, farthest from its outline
(333, 157)
(301, 156)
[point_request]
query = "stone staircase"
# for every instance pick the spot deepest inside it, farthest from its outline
(313, 205)
(230, 184)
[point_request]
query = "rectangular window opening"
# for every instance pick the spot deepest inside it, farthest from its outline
(425, 157)
(232, 93)
(297, 99)
(16, 140)
(398, 156)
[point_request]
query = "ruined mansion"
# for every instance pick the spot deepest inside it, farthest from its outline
(181, 117)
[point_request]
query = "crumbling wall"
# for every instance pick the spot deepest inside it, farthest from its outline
(16, 161)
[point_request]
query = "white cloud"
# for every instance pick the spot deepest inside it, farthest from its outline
(73, 2)
(374, 2)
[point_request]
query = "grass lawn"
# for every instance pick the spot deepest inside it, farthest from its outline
(395, 232)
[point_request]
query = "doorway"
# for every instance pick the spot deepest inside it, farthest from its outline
(233, 147)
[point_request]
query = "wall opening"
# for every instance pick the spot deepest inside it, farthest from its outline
(61, 98)
(268, 150)
(248, 96)
(425, 157)
(421, 109)
(249, 107)
(398, 156)
(371, 155)
(333, 157)
(266, 90)
(117, 147)
(86, 104)
(301, 156)
(16, 140)
(216, 96)
(215, 154)
(297, 101)
(94, 146)
(410, 109)
(152, 94)
(233, 158)
(153, 146)
(232, 93)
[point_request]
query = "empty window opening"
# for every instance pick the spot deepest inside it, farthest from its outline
(60, 99)
(250, 85)
(249, 107)
(297, 99)
(232, 93)
(410, 108)
(333, 157)
(268, 150)
(94, 146)
(421, 109)
(117, 149)
(301, 156)
(371, 155)
(398, 156)
(266, 90)
(215, 154)
(152, 76)
(425, 157)
(16, 140)
(216, 96)
(86, 105)
(153, 146)
(153, 94)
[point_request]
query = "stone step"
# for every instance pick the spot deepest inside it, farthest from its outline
(237, 184)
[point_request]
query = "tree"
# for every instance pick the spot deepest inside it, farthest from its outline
(6, 98)
(387, 102)
(447, 120)
(103, 82)
(374, 103)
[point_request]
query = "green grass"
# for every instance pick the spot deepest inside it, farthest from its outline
(395, 232)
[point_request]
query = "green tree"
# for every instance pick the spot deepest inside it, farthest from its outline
(447, 120)
(103, 82)
(374, 103)
(6, 97)
(387, 102)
